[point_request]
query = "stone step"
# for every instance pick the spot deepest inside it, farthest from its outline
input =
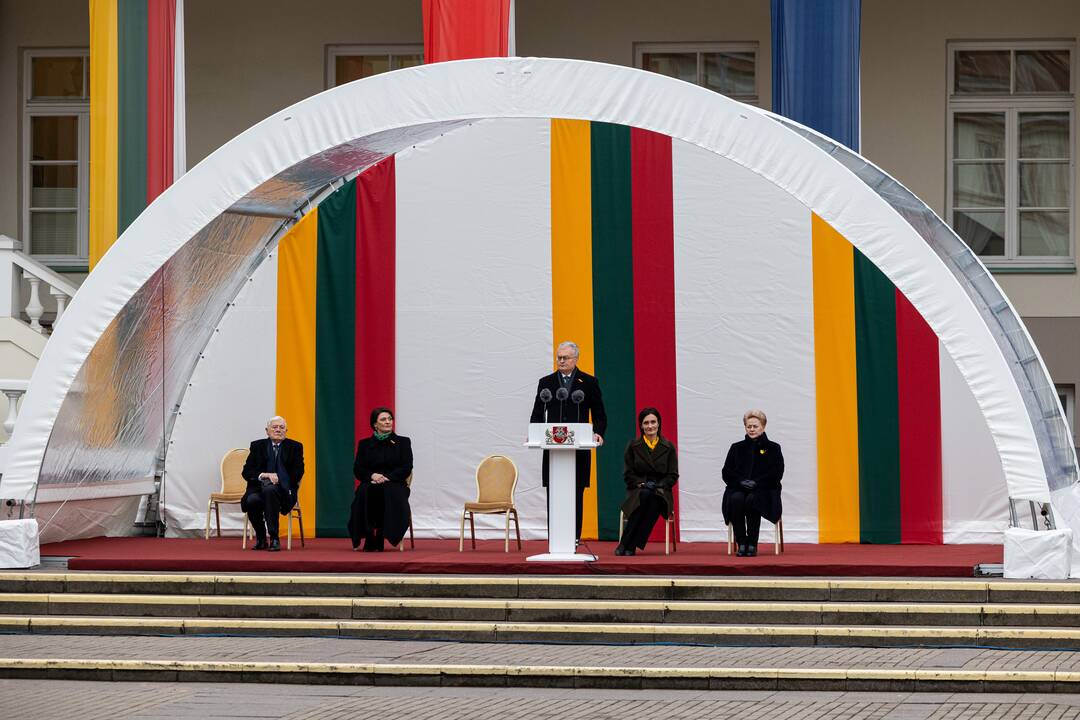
(687, 678)
(551, 587)
(539, 632)
(543, 610)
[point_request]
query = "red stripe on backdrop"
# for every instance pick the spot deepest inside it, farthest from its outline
(919, 390)
(376, 214)
(159, 95)
(462, 29)
(654, 283)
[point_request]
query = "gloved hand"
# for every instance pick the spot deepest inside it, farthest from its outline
(649, 487)
(748, 485)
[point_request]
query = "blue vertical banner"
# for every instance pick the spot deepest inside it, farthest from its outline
(815, 71)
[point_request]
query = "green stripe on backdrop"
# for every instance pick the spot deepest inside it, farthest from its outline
(879, 412)
(335, 325)
(613, 312)
(132, 34)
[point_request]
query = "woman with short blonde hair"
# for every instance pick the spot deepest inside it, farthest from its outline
(752, 472)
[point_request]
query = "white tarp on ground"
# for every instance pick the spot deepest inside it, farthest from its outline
(274, 166)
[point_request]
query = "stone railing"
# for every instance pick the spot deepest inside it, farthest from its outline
(18, 271)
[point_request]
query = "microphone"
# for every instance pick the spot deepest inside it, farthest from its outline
(561, 394)
(545, 397)
(577, 396)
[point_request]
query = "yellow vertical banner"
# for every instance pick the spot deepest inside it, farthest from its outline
(571, 260)
(104, 127)
(295, 379)
(836, 385)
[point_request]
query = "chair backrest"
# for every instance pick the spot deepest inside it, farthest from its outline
(232, 465)
(408, 481)
(496, 478)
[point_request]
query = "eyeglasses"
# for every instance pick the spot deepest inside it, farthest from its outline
(564, 358)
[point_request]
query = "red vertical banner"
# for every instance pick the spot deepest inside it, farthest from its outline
(376, 214)
(160, 77)
(919, 394)
(462, 29)
(653, 227)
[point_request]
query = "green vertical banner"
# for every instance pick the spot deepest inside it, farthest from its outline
(335, 360)
(132, 38)
(879, 425)
(613, 312)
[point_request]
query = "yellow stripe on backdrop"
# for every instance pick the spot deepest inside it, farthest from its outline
(571, 259)
(295, 380)
(104, 126)
(837, 389)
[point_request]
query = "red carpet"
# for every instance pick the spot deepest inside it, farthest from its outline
(442, 556)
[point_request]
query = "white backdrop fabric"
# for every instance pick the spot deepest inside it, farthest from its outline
(474, 332)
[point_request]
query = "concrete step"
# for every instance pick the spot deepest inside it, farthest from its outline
(551, 587)
(538, 610)
(539, 632)
(687, 678)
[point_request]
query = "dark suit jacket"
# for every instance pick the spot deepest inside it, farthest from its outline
(292, 457)
(640, 464)
(759, 460)
(591, 407)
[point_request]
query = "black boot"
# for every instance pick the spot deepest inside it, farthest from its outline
(751, 551)
(741, 552)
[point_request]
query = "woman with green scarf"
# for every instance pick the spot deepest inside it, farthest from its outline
(380, 507)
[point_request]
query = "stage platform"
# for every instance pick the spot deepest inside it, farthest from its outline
(327, 555)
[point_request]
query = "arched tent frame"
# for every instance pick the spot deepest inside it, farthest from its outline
(170, 276)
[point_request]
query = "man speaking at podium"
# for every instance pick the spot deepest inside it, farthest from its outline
(572, 396)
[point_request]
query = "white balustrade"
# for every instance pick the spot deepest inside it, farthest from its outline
(14, 390)
(16, 268)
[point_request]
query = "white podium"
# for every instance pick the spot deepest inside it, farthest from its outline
(563, 440)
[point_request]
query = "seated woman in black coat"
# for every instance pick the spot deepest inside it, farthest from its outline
(752, 472)
(380, 507)
(650, 469)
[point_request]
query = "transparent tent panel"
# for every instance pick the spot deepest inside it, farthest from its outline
(1037, 390)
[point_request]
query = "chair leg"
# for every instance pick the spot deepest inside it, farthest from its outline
(461, 537)
(300, 521)
(779, 547)
(217, 507)
(667, 537)
(674, 535)
(622, 522)
(730, 538)
(244, 533)
(472, 528)
(506, 535)
(517, 527)
(412, 540)
(209, 505)
(288, 531)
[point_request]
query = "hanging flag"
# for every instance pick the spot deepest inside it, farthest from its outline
(816, 65)
(462, 29)
(137, 139)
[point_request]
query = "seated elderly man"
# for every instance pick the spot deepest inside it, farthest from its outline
(274, 469)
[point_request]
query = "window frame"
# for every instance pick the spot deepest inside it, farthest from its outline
(701, 48)
(1012, 104)
(1067, 393)
(80, 108)
(333, 52)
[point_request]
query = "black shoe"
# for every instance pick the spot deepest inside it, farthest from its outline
(741, 552)
(630, 552)
(620, 551)
(275, 546)
(751, 551)
(261, 545)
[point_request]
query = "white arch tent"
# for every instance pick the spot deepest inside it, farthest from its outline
(144, 318)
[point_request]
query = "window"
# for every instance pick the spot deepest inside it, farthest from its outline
(345, 63)
(1067, 396)
(1011, 165)
(55, 153)
(727, 68)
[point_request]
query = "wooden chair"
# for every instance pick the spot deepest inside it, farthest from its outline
(232, 490)
(670, 544)
(412, 542)
(496, 479)
(778, 544)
